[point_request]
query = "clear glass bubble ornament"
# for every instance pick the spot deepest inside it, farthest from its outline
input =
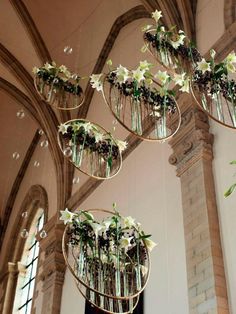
(68, 50)
(36, 164)
(43, 234)
(44, 144)
(15, 155)
(41, 132)
(67, 152)
(76, 180)
(24, 215)
(20, 114)
(24, 233)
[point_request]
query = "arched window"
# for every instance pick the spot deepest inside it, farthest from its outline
(28, 267)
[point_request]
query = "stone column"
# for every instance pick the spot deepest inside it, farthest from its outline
(192, 156)
(10, 288)
(53, 267)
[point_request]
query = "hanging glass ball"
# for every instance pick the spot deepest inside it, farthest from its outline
(76, 180)
(24, 233)
(43, 234)
(41, 132)
(67, 152)
(24, 215)
(36, 164)
(15, 155)
(20, 114)
(44, 144)
(68, 50)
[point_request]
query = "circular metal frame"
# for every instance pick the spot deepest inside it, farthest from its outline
(54, 106)
(105, 131)
(204, 110)
(131, 131)
(92, 289)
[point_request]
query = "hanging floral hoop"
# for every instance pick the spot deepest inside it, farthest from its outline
(150, 119)
(58, 87)
(215, 101)
(104, 268)
(90, 148)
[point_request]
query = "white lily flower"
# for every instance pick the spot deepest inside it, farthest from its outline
(67, 216)
(138, 75)
(125, 243)
(150, 244)
(162, 76)
(156, 114)
(156, 15)
(48, 66)
(230, 67)
(185, 86)
(144, 270)
(35, 70)
(96, 227)
(179, 79)
(122, 74)
(231, 58)
(98, 136)
(122, 145)
(87, 126)
(62, 128)
(129, 222)
(213, 53)
(146, 28)
(95, 81)
(144, 65)
(179, 41)
(203, 66)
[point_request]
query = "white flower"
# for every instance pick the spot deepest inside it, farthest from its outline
(212, 53)
(129, 222)
(144, 65)
(98, 136)
(146, 28)
(48, 66)
(67, 216)
(95, 81)
(35, 70)
(149, 244)
(125, 243)
(230, 67)
(203, 66)
(179, 79)
(96, 227)
(179, 40)
(156, 114)
(156, 15)
(138, 75)
(122, 145)
(103, 258)
(231, 58)
(185, 86)
(63, 128)
(108, 222)
(122, 74)
(162, 76)
(87, 126)
(144, 270)
(63, 69)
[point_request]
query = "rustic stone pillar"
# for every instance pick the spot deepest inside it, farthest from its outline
(192, 157)
(10, 288)
(53, 267)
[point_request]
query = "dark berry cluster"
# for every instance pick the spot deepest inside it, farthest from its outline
(107, 148)
(58, 83)
(143, 93)
(187, 53)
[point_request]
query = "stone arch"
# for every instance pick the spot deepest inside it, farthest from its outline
(229, 12)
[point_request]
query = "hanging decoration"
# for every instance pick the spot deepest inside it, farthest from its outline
(171, 48)
(108, 255)
(144, 106)
(213, 89)
(58, 86)
(91, 148)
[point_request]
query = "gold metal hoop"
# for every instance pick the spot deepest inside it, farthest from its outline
(82, 97)
(117, 162)
(196, 96)
(151, 126)
(93, 289)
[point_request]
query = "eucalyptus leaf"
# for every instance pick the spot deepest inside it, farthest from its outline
(233, 162)
(230, 190)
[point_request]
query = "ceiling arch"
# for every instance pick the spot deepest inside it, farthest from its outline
(229, 12)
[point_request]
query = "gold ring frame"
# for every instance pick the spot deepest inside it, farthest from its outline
(173, 64)
(141, 118)
(128, 275)
(91, 163)
(58, 98)
(219, 109)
